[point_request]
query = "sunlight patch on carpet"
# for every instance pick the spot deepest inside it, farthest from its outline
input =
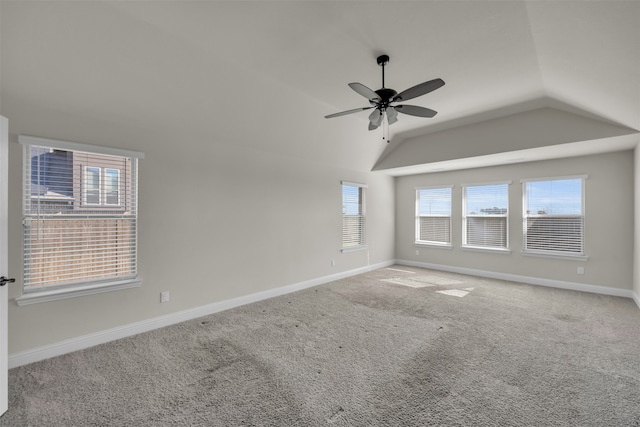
(407, 282)
(397, 269)
(422, 281)
(437, 280)
(456, 292)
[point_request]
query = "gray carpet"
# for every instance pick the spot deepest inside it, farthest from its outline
(398, 346)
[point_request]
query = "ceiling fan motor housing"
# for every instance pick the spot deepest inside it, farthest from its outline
(386, 95)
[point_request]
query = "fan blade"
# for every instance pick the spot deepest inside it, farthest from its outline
(344, 113)
(365, 91)
(376, 117)
(414, 110)
(418, 90)
(392, 115)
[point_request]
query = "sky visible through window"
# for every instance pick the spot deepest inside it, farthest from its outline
(435, 201)
(556, 197)
(351, 200)
(487, 199)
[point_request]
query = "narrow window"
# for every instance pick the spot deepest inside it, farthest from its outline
(433, 215)
(80, 216)
(91, 184)
(553, 216)
(353, 216)
(112, 187)
(485, 216)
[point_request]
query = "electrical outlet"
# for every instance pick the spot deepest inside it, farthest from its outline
(333, 263)
(580, 270)
(164, 296)
(417, 252)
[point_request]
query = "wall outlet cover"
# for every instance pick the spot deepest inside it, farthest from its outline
(164, 296)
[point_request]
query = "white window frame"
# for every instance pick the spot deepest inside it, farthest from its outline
(465, 218)
(117, 189)
(362, 245)
(579, 256)
(85, 186)
(436, 243)
(44, 293)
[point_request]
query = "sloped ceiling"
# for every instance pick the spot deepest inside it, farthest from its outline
(538, 134)
(262, 75)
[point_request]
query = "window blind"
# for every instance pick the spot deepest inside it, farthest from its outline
(486, 215)
(353, 215)
(80, 215)
(554, 216)
(433, 221)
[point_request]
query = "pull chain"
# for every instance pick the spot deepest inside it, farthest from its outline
(385, 128)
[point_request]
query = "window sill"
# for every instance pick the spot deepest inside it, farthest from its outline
(433, 245)
(567, 257)
(354, 248)
(36, 297)
(502, 251)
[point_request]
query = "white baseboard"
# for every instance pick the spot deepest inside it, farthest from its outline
(90, 340)
(636, 298)
(604, 290)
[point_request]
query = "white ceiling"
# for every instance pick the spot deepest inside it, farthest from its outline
(262, 74)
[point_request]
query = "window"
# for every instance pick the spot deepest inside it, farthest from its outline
(433, 215)
(112, 187)
(553, 220)
(80, 219)
(91, 185)
(101, 187)
(353, 216)
(485, 216)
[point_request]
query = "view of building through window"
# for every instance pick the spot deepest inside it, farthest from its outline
(80, 217)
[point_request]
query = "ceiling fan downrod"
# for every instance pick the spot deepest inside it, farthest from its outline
(385, 95)
(382, 61)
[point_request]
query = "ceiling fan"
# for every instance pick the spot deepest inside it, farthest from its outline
(382, 99)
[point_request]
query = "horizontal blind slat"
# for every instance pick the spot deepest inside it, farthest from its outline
(555, 234)
(435, 229)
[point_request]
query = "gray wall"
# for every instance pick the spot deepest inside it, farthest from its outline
(609, 220)
(216, 221)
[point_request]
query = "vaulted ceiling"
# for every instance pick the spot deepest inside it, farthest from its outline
(261, 75)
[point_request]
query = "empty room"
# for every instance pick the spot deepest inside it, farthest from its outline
(304, 213)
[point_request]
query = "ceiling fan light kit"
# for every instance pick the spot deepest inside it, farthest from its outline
(381, 100)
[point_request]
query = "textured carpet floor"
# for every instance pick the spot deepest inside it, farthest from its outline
(398, 346)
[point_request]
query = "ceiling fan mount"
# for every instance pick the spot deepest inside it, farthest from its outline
(382, 60)
(382, 99)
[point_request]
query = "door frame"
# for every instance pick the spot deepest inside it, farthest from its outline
(4, 306)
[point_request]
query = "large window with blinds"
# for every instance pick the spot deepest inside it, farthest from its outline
(433, 216)
(80, 217)
(486, 216)
(553, 216)
(353, 216)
